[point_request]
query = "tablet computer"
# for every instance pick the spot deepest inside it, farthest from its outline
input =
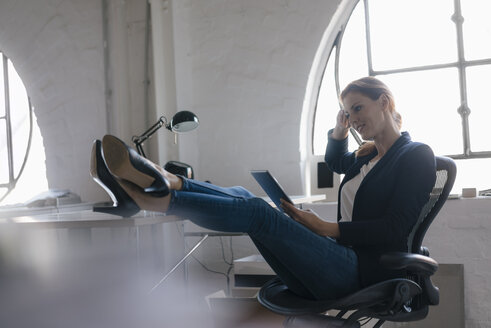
(271, 186)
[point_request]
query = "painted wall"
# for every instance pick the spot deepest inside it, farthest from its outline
(460, 234)
(56, 47)
(242, 66)
(58, 50)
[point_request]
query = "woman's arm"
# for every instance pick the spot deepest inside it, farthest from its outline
(337, 157)
(311, 220)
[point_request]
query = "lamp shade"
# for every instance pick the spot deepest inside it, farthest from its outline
(183, 121)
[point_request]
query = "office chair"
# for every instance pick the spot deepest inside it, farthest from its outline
(399, 300)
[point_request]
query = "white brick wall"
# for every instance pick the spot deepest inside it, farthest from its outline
(461, 234)
(242, 66)
(56, 47)
(247, 63)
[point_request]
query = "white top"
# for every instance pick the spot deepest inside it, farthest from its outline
(349, 191)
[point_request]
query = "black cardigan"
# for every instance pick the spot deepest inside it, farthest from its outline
(387, 203)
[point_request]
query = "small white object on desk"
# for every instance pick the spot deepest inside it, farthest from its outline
(469, 192)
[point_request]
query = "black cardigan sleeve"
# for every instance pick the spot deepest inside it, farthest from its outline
(415, 177)
(337, 157)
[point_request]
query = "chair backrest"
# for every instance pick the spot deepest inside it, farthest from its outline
(445, 178)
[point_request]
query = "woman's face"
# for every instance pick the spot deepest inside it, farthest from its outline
(366, 116)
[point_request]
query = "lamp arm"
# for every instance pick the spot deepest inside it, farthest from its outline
(139, 140)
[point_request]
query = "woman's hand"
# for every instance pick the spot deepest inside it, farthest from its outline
(342, 126)
(311, 220)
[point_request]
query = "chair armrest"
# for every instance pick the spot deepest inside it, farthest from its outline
(416, 263)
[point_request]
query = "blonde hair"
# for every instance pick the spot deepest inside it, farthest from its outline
(372, 88)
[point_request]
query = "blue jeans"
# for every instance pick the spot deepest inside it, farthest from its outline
(310, 265)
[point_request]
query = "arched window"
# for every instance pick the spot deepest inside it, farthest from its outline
(21, 147)
(436, 58)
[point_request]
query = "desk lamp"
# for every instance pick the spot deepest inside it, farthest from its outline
(183, 121)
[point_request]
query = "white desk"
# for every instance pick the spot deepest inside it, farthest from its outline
(88, 219)
(80, 218)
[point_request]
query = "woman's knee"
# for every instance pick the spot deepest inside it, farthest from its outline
(257, 203)
(262, 216)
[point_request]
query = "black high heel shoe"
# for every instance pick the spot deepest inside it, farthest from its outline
(125, 163)
(123, 203)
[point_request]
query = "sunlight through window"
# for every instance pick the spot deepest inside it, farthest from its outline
(22, 157)
(433, 70)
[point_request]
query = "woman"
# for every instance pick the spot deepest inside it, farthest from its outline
(314, 258)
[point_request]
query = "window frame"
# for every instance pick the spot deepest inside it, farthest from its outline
(12, 180)
(461, 65)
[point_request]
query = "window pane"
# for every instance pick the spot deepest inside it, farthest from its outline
(470, 174)
(2, 91)
(411, 33)
(3, 191)
(353, 62)
(478, 100)
(326, 109)
(428, 102)
(4, 163)
(477, 28)
(33, 179)
(19, 117)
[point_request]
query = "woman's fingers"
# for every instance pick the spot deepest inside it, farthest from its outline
(343, 118)
(289, 209)
(285, 206)
(295, 213)
(342, 126)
